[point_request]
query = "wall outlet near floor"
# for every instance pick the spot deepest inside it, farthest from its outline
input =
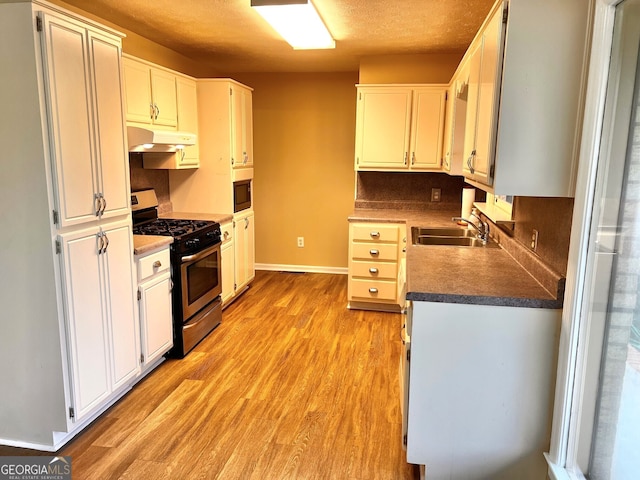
(300, 242)
(534, 239)
(436, 194)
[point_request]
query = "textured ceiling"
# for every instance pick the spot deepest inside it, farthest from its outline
(229, 34)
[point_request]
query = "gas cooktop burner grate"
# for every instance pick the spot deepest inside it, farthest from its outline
(169, 226)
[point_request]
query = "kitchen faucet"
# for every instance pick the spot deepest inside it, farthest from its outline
(483, 229)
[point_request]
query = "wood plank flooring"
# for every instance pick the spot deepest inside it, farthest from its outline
(291, 385)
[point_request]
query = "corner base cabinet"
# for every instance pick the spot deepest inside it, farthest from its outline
(376, 266)
(478, 390)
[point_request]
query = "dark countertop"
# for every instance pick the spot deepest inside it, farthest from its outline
(478, 276)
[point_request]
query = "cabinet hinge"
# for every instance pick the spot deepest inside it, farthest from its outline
(235, 287)
(404, 440)
(446, 96)
(230, 91)
(142, 358)
(139, 295)
(408, 355)
(58, 247)
(72, 412)
(357, 160)
(360, 96)
(505, 14)
(38, 23)
(55, 216)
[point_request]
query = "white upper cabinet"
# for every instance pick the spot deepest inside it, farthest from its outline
(241, 126)
(150, 94)
(484, 74)
(526, 85)
(187, 95)
(399, 127)
(82, 77)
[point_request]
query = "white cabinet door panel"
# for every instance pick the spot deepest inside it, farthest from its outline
(111, 140)
(86, 323)
(121, 287)
(155, 312)
(70, 112)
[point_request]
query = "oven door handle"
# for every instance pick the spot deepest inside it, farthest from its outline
(197, 256)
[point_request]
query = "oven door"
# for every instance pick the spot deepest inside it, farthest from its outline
(201, 280)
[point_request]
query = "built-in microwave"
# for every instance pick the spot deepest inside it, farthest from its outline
(241, 195)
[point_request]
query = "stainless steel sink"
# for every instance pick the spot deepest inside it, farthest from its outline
(443, 232)
(456, 237)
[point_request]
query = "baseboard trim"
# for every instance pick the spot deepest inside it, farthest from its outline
(277, 267)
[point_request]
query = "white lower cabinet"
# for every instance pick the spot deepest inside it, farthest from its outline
(103, 336)
(154, 297)
(228, 263)
(244, 248)
(376, 266)
(477, 399)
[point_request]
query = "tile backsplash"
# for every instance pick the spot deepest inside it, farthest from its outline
(142, 179)
(409, 191)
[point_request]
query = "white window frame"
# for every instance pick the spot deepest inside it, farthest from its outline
(580, 342)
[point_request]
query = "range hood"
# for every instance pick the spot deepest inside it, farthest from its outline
(147, 140)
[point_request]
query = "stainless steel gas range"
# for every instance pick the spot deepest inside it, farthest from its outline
(195, 269)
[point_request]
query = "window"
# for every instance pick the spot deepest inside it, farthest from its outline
(597, 411)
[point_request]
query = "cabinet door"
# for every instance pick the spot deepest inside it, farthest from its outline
(228, 261)
(113, 158)
(486, 122)
(447, 136)
(163, 92)
(120, 288)
(155, 317)
(427, 128)
(241, 127)
(139, 104)
(383, 124)
(70, 114)
(187, 120)
(228, 271)
(87, 329)
(244, 250)
(473, 93)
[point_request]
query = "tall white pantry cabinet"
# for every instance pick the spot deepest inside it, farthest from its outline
(69, 338)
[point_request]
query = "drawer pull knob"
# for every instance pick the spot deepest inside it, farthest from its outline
(374, 252)
(373, 290)
(157, 264)
(375, 234)
(373, 271)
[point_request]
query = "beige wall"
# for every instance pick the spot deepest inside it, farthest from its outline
(304, 139)
(427, 68)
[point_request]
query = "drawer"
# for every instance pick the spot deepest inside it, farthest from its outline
(376, 291)
(153, 263)
(375, 232)
(374, 270)
(370, 251)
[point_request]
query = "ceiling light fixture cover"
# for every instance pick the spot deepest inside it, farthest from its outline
(297, 21)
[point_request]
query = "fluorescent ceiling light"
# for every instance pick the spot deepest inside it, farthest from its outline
(297, 21)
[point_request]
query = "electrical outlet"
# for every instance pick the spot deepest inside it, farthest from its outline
(300, 242)
(436, 194)
(534, 239)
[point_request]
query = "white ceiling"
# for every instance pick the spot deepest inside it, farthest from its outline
(229, 35)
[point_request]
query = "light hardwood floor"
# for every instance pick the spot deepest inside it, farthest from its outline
(291, 385)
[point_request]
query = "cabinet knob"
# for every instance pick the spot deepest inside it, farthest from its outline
(374, 252)
(226, 235)
(375, 234)
(373, 290)
(413, 158)
(157, 264)
(373, 271)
